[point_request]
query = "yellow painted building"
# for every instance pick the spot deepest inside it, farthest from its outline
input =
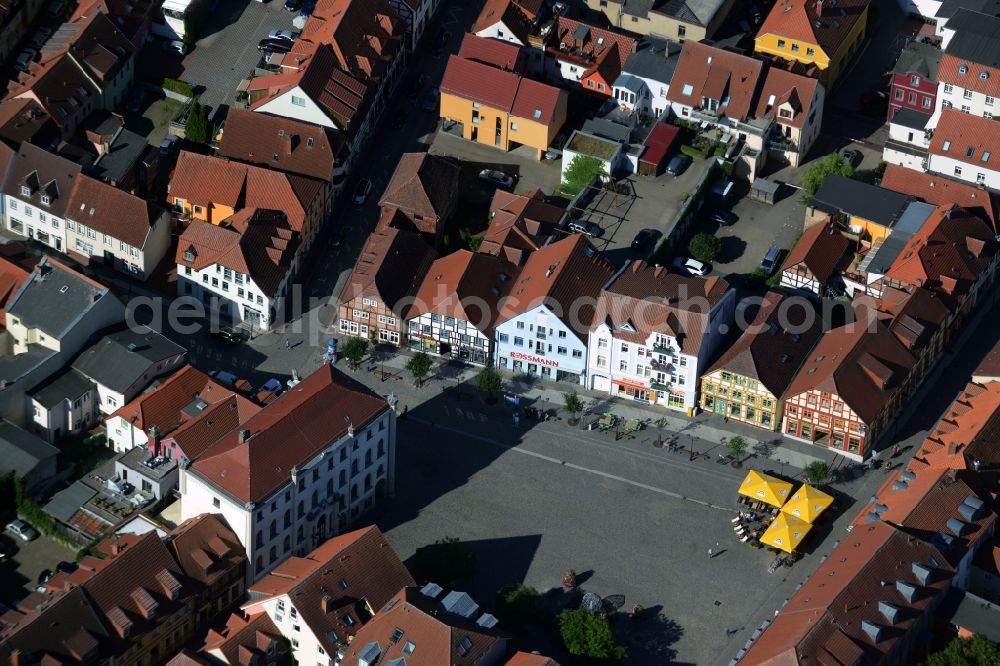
(499, 108)
(740, 398)
(823, 34)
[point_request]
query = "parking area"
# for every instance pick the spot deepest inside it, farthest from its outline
(19, 573)
(528, 172)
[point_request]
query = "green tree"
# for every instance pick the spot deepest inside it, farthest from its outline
(573, 405)
(517, 607)
(419, 366)
(817, 472)
(470, 240)
(704, 247)
(588, 635)
(580, 172)
(354, 349)
(975, 651)
(445, 562)
(736, 446)
(489, 381)
(817, 172)
(197, 129)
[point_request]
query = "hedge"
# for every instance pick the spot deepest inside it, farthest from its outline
(691, 151)
(179, 87)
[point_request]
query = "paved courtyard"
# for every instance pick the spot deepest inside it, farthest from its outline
(19, 574)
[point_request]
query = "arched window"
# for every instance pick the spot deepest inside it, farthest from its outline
(315, 499)
(343, 478)
(368, 483)
(260, 564)
(302, 508)
(381, 448)
(274, 554)
(288, 543)
(298, 535)
(273, 529)
(329, 487)
(260, 537)
(368, 458)
(380, 471)
(354, 492)
(354, 467)
(288, 518)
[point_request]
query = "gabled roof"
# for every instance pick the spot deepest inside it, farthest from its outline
(802, 23)
(766, 351)
(643, 299)
(12, 277)
(480, 83)
(519, 224)
(55, 298)
(286, 433)
(279, 143)
(974, 46)
(968, 431)
(130, 16)
(22, 451)
(937, 190)
(421, 621)
(112, 211)
(566, 277)
(516, 15)
(244, 641)
(593, 48)
(493, 52)
(706, 71)
(654, 58)
(781, 87)
(60, 86)
(257, 242)
(24, 119)
(333, 581)
(206, 548)
(119, 359)
(919, 58)
(389, 268)
(164, 405)
(821, 249)
(467, 286)
(862, 363)
(44, 174)
(967, 138)
(422, 184)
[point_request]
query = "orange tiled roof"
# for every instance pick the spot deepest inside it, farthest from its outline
(967, 138)
(937, 190)
(705, 71)
(950, 71)
(802, 22)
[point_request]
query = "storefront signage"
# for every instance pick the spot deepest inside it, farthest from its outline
(534, 359)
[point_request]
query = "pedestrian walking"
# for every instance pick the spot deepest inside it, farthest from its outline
(288, 344)
(711, 553)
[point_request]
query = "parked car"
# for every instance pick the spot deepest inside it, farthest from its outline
(231, 335)
(174, 46)
(852, 156)
(21, 530)
(227, 379)
(496, 177)
(678, 164)
(293, 5)
(167, 145)
(6, 549)
(586, 227)
(272, 385)
(361, 192)
(281, 34)
(644, 239)
(135, 100)
(40, 37)
(66, 567)
(771, 260)
(274, 46)
(724, 218)
(429, 101)
(690, 266)
(307, 9)
(24, 59)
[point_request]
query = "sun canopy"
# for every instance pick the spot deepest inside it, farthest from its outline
(765, 488)
(807, 503)
(786, 532)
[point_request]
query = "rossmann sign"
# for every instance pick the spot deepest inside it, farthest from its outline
(534, 359)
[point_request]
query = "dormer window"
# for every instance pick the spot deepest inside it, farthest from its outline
(46, 199)
(984, 75)
(189, 255)
(25, 191)
(947, 145)
(962, 69)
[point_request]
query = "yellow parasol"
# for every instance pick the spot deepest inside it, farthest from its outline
(807, 503)
(765, 488)
(786, 532)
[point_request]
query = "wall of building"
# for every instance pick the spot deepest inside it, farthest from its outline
(500, 31)
(970, 173)
(657, 23)
(912, 91)
(30, 221)
(122, 435)
(830, 64)
(480, 123)
(952, 96)
(302, 107)
(370, 318)
(539, 343)
(460, 338)
(239, 299)
(740, 398)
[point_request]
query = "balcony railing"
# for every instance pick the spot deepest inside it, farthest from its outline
(712, 119)
(659, 386)
(784, 145)
(659, 365)
(662, 349)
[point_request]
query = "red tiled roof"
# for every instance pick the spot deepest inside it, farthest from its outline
(530, 659)
(519, 225)
(253, 241)
(424, 185)
(707, 71)
(968, 431)
(970, 139)
(389, 268)
(949, 72)
(497, 89)
(206, 548)
(162, 406)
(112, 211)
(658, 143)
(821, 248)
(493, 52)
(863, 368)
(195, 435)
(560, 276)
(650, 299)
(536, 101)
(603, 51)
(938, 190)
(286, 433)
(516, 15)
(783, 87)
(461, 285)
(12, 277)
(803, 24)
(246, 641)
(279, 143)
(325, 585)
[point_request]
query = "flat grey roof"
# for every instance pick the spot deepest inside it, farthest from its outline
(21, 451)
(118, 359)
(122, 156)
(136, 459)
(840, 194)
(912, 119)
(67, 502)
(13, 368)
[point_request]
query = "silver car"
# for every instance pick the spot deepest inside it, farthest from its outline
(22, 530)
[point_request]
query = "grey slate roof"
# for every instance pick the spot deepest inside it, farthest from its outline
(68, 385)
(54, 300)
(919, 57)
(908, 224)
(969, 611)
(912, 119)
(118, 359)
(13, 368)
(693, 11)
(607, 129)
(629, 82)
(22, 451)
(976, 39)
(44, 173)
(123, 154)
(950, 7)
(840, 194)
(654, 58)
(67, 502)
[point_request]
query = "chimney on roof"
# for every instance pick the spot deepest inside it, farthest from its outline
(326, 603)
(244, 436)
(154, 440)
(117, 547)
(819, 7)
(658, 271)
